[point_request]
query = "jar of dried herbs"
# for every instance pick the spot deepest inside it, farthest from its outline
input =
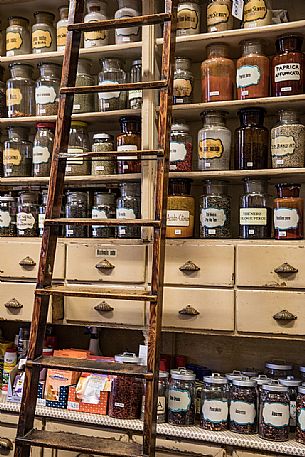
(214, 403)
(84, 103)
(18, 39)
(274, 413)
(76, 207)
(135, 97)
(181, 147)
(292, 385)
(43, 148)
(62, 28)
(78, 144)
(47, 89)
(188, 17)
(8, 211)
(96, 12)
(243, 406)
(112, 73)
(181, 397)
(42, 210)
(20, 92)
(215, 211)
(104, 207)
(43, 33)
(103, 142)
(129, 140)
(17, 154)
(300, 434)
(180, 209)
(128, 206)
(183, 81)
(27, 214)
(3, 110)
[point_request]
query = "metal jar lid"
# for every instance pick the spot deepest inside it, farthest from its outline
(163, 374)
(302, 369)
(262, 379)
(301, 390)
(127, 357)
(278, 365)
(102, 136)
(215, 378)
(7, 198)
(180, 126)
(290, 381)
(234, 375)
(250, 372)
(245, 381)
(275, 387)
(183, 374)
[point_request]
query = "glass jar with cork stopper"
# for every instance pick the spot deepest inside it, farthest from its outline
(18, 39)
(20, 92)
(180, 209)
(62, 27)
(96, 12)
(288, 212)
(43, 33)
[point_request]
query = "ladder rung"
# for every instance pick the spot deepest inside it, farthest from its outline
(97, 292)
(109, 222)
(160, 84)
(139, 152)
(80, 443)
(149, 19)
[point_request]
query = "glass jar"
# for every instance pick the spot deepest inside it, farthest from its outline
(103, 208)
(42, 211)
(62, 28)
(162, 398)
(127, 8)
(200, 372)
(292, 385)
(8, 210)
(214, 403)
(219, 15)
(255, 213)
(214, 142)
(3, 110)
(181, 147)
(18, 39)
(128, 206)
(243, 406)
(288, 213)
(112, 73)
(274, 413)
(78, 144)
(287, 74)
(300, 433)
(135, 97)
(236, 374)
(215, 211)
(183, 81)
(27, 214)
(257, 13)
(217, 74)
(47, 89)
(180, 209)
(43, 148)
(253, 71)
(43, 33)
(103, 142)
(278, 369)
(84, 103)
(181, 397)
(129, 140)
(260, 381)
(251, 140)
(288, 141)
(17, 154)
(188, 17)
(96, 12)
(76, 207)
(20, 98)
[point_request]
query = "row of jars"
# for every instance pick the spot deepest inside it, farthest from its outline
(24, 216)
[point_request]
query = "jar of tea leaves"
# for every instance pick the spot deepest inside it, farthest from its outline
(17, 154)
(76, 207)
(183, 81)
(180, 209)
(181, 147)
(181, 397)
(43, 33)
(112, 73)
(128, 206)
(215, 211)
(103, 142)
(135, 97)
(8, 210)
(47, 89)
(127, 8)
(274, 413)
(96, 12)
(27, 214)
(104, 207)
(129, 140)
(62, 28)
(20, 92)
(84, 103)
(214, 403)
(42, 210)
(78, 144)
(43, 148)
(18, 39)
(242, 411)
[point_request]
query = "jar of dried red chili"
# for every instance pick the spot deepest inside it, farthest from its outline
(288, 212)
(288, 66)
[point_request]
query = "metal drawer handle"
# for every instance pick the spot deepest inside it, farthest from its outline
(27, 262)
(285, 269)
(6, 444)
(104, 265)
(284, 315)
(13, 304)
(103, 307)
(189, 266)
(189, 311)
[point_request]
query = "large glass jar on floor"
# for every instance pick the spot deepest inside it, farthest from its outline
(215, 211)
(214, 403)
(180, 209)
(43, 33)
(129, 140)
(274, 413)
(20, 92)
(112, 73)
(17, 154)
(47, 89)
(76, 207)
(27, 214)
(288, 213)
(181, 397)
(43, 148)
(128, 206)
(8, 210)
(78, 144)
(103, 208)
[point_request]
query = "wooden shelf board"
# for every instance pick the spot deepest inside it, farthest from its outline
(84, 181)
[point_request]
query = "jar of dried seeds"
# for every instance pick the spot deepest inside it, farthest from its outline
(128, 206)
(103, 142)
(103, 208)
(43, 148)
(183, 81)
(135, 97)
(180, 209)
(78, 144)
(300, 434)
(84, 103)
(129, 140)
(243, 406)
(20, 97)
(292, 385)
(215, 211)
(8, 210)
(47, 89)
(43, 33)
(274, 413)
(27, 214)
(17, 154)
(76, 207)
(181, 147)
(18, 39)
(112, 73)
(214, 403)
(96, 12)
(188, 17)
(62, 28)
(42, 210)
(181, 397)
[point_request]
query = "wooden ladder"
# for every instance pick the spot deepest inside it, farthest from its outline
(27, 436)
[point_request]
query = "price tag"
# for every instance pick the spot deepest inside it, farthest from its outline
(238, 9)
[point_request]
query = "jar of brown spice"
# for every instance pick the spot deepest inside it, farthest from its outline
(129, 140)
(180, 209)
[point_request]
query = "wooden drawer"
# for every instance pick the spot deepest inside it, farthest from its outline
(128, 262)
(255, 310)
(15, 251)
(257, 265)
(215, 308)
(179, 256)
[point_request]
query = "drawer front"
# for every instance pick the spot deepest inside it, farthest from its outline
(106, 263)
(20, 259)
(214, 307)
(260, 311)
(270, 265)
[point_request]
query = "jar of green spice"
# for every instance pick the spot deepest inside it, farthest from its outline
(17, 154)
(103, 142)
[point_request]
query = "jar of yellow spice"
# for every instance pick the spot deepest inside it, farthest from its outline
(180, 209)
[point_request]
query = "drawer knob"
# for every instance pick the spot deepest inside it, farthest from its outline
(285, 269)
(104, 265)
(103, 307)
(6, 444)
(284, 315)
(13, 304)
(27, 262)
(189, 266)
(189, 311)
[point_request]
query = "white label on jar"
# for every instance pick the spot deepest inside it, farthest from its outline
(100, 168)
(301, 419)
(287, 72)
(41, 218)
(70, 232)
(244, 93)
(76, 107)
(286, 89)
(176, 218)
(127, 147)
(293, 414)
(282, 233)
(214, 93)
(161, 405)
(213, 217)
(276, 414)
(248, 75)
(134, 94)
(172, 167)
(250, 164)
(25, 221)
(178, 151)
(178, 400)
(98, 214)
(215, 411)
(207, 165)
(45, 95)
(211, 232)
(253, 216)
(178, 232)
(238, 9)
(125, 213)
(119, 405)
(243, 413)
(108, 95)
(41, 154)
(280, 162)
(5, 219)
(74, 160)
(122, 231)
(251, 232)
(282, 145)
(286, 218)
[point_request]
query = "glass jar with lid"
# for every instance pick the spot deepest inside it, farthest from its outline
(181, 147)
(214, 142)
(215, 210)
(127, 8)
(242, 413)
(236, 374)
(181, 397)
(162, 398)
(3, 110)
(43, 33)
(288, 141)
(251, 140)
(97, 11)
(17, 154)
(257, 13)
(18, 39)
(104, 206)
(287, 72)
(135, 97)
(255, 214)
(20, 92)
(253, 71)
(8, 211)
(300, 433)
(78, 144)
(27, 214)
(129, 140)
(183, 81)
(214, 403)
(62, 27)
(103, 142)
(84, 103)
(188, 17)
(288, 212)
(47, 89)
(217, 74)
(43, 148)
(42, 210)
(292, 385)
(112, 73)
(276, 369)
(219, 15)
(180, 209)
(128, 206)
(274, 412)
(76, 207)
(260, 381)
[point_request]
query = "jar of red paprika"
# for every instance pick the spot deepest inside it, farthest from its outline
(181, 147)
(129, 140)
(288, 213)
